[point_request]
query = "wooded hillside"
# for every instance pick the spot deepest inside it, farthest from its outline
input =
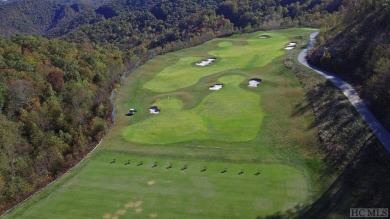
(54, 106)
(358, 49)
(56, 18)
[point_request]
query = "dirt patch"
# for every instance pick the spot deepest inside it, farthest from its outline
(138, 204)
(153, 215)
(138, 210)
(107, 216)
(120, 212)
(129, 205)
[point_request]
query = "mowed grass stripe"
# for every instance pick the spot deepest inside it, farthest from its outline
(107, 188)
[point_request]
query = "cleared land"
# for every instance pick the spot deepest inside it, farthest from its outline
(245, 130)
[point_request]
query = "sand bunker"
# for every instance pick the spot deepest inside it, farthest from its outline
(216, 87)
(263, 36)
(205, 63)
(254, 82)
(152, 182)
(291, 46)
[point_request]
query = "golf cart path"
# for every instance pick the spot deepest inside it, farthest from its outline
(380, 132)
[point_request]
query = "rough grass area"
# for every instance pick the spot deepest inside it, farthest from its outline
(245, 129)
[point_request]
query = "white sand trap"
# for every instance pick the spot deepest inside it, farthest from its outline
(216, 87)
(289, 48)
(263, 36)
(137, 204)
(292, 44)
(152, 182)
(107, 216)
(205, 63)
(254, 82)
(153, 215)
(120, 212)
(129, 205)
(138, 210)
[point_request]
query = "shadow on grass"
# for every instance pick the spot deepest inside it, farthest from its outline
(359, 163)
(364, 183)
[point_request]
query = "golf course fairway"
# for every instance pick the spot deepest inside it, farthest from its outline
(237, 152)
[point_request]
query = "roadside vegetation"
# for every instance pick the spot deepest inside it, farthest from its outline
(356, 47)
(357, 165)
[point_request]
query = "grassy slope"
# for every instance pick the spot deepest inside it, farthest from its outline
(280, 143)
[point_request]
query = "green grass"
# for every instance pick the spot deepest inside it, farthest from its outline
(106, 188)
(230, 114)
(255, 129)
(184, 72)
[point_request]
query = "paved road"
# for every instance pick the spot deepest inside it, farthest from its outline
(380, 132)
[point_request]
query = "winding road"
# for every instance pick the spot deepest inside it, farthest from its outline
(380, 132)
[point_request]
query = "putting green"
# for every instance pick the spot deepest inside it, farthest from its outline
(230, 54)
(238, 128)
(230, 114)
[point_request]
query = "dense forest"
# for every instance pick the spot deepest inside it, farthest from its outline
(358, 49)
(39, 17)
(54, 105)
(56, 18)
(55, 93)
(164, 25)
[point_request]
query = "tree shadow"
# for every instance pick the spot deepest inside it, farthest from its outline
(362, 184)
(352, 152)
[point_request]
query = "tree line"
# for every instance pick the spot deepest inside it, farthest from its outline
(54, 107)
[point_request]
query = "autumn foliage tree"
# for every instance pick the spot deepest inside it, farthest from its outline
(52, 109)
(357, 49)
(56, 79)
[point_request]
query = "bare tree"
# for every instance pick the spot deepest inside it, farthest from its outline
(21, 93)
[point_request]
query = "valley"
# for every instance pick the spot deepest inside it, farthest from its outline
(235, 152)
